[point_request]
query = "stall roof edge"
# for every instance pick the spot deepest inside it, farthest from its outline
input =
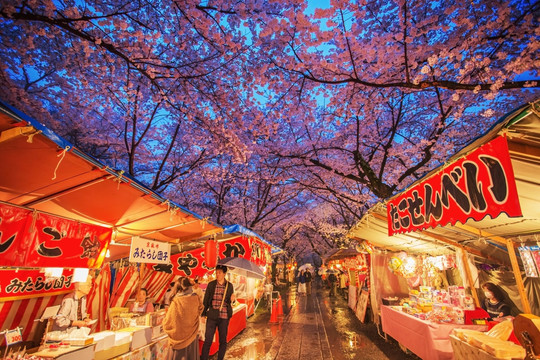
(85, 189)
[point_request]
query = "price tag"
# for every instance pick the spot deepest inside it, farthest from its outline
(13, 336)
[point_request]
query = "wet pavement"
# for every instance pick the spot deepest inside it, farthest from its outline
(314, 327)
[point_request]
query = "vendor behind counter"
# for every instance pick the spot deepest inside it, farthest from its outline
(73, 311)
(142, 304)
(494, 302)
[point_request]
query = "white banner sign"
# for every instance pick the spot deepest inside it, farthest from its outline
(148, 251)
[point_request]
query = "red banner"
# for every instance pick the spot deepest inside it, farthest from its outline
(479, 184)
(34, 239)
(13, 223)
(192, 263)
(23, 283)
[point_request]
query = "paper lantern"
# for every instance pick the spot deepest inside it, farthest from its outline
(210, 253)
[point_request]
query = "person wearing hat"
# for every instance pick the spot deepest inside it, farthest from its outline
(217, 302)
(73, 312)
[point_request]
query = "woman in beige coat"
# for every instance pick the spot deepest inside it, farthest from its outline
(181, 322)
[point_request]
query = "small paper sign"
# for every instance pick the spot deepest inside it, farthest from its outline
(148, 251)
(13, 336)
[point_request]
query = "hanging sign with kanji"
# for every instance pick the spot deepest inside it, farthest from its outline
(192, 263)
(148, 251)
(35, 239)
(29, 283)
(479, 184)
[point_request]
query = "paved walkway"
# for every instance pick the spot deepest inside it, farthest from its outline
(314, 327)
(304, 335)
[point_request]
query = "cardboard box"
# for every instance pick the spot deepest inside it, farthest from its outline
(157, 331)
(103, 340)
(79, 341)
(122, 337)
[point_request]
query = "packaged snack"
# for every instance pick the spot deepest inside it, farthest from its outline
(468, 303)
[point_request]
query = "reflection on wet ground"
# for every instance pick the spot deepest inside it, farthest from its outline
(313, 327)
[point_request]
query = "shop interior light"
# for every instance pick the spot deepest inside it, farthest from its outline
(54, 273)
(409, 265)
(108, 254)
(80, 274)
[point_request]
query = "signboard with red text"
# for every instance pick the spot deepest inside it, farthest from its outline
(28, 283)
(479, 184)
(192, 263)
(34, 239)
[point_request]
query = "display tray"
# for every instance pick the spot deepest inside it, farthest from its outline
(465, 351)
(67, 353)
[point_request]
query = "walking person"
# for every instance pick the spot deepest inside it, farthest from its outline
(302, 283)
(308, 282)
(332, 281)
(181, 323)
(217, 303)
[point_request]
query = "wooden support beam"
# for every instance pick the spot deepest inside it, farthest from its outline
(464, 247)
(465, 258)
(517, 276)
(480, 233)
(450, 242)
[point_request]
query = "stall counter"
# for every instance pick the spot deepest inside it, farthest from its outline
(237, 323)
(426, 339)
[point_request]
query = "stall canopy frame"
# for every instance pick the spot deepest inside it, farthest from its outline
(485, 238)
(229, 232)
(494, 239)
(44, 172)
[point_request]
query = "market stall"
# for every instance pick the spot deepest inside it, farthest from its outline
(479, 209)
(427, 339)
(62, 211)
(352, 268)
(236, 241)
(249, 255)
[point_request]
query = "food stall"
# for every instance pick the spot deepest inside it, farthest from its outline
(479, 210)
(236, 242)
(354, 268)
(74, 213)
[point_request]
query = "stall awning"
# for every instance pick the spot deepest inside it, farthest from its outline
(41, 171)
(339, 254)
(485, 237)
(235, 230)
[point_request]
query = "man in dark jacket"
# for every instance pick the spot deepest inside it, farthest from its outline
(332, 281)
(218, 297)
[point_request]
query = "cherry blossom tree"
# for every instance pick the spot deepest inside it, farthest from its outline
(281, 116)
